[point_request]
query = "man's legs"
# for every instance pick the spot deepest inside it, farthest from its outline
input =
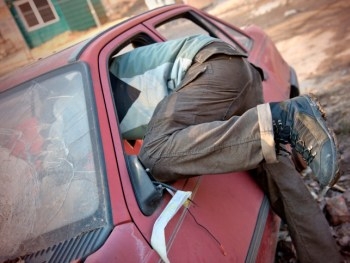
(213, 126)
(198, 130)
(292, 201)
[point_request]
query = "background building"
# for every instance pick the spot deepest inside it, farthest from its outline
(40, 20)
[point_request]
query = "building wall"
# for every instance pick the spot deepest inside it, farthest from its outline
(73, 15)
(11, 39)
(100, 11)
(39, 36)
(79, 15)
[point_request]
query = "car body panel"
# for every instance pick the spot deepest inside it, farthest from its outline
(276, 86)
(209, 233)
(125, 244)
(36, 69)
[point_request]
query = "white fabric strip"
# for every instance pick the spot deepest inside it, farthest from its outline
(266, 133)
(158, 236)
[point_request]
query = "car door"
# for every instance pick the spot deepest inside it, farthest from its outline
(227, 210)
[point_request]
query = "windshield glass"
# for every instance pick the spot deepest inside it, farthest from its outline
(49, 163)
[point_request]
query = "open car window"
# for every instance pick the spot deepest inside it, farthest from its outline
(180, 27)
(51, 173)
(188, 24)
(139, 40)
(126, 95)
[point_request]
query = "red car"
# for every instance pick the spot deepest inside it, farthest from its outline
(72, 188)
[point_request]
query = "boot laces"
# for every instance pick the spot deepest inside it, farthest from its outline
(300, 146)
(285, 135)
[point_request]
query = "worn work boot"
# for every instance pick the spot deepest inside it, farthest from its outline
(300, 122)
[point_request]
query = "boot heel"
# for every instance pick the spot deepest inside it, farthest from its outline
(318, 105)
(331, 132)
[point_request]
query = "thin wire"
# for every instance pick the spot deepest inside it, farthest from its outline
(207, 230)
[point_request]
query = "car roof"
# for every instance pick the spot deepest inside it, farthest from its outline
(38, 68)
(72, 54)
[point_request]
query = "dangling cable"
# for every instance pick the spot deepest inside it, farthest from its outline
(211, 234)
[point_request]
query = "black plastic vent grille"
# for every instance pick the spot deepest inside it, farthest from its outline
(75, 248)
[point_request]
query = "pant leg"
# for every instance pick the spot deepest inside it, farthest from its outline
(292, 201)
(208, 126)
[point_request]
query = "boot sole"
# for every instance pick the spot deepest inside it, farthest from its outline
(314, 101)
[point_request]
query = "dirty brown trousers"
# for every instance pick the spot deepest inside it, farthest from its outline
(211, 125)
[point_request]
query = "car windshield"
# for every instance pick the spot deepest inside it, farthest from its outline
(49, 163)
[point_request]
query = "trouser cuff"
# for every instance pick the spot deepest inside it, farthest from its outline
(266, 133)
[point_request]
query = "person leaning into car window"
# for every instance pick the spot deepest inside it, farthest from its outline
(198, 103)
